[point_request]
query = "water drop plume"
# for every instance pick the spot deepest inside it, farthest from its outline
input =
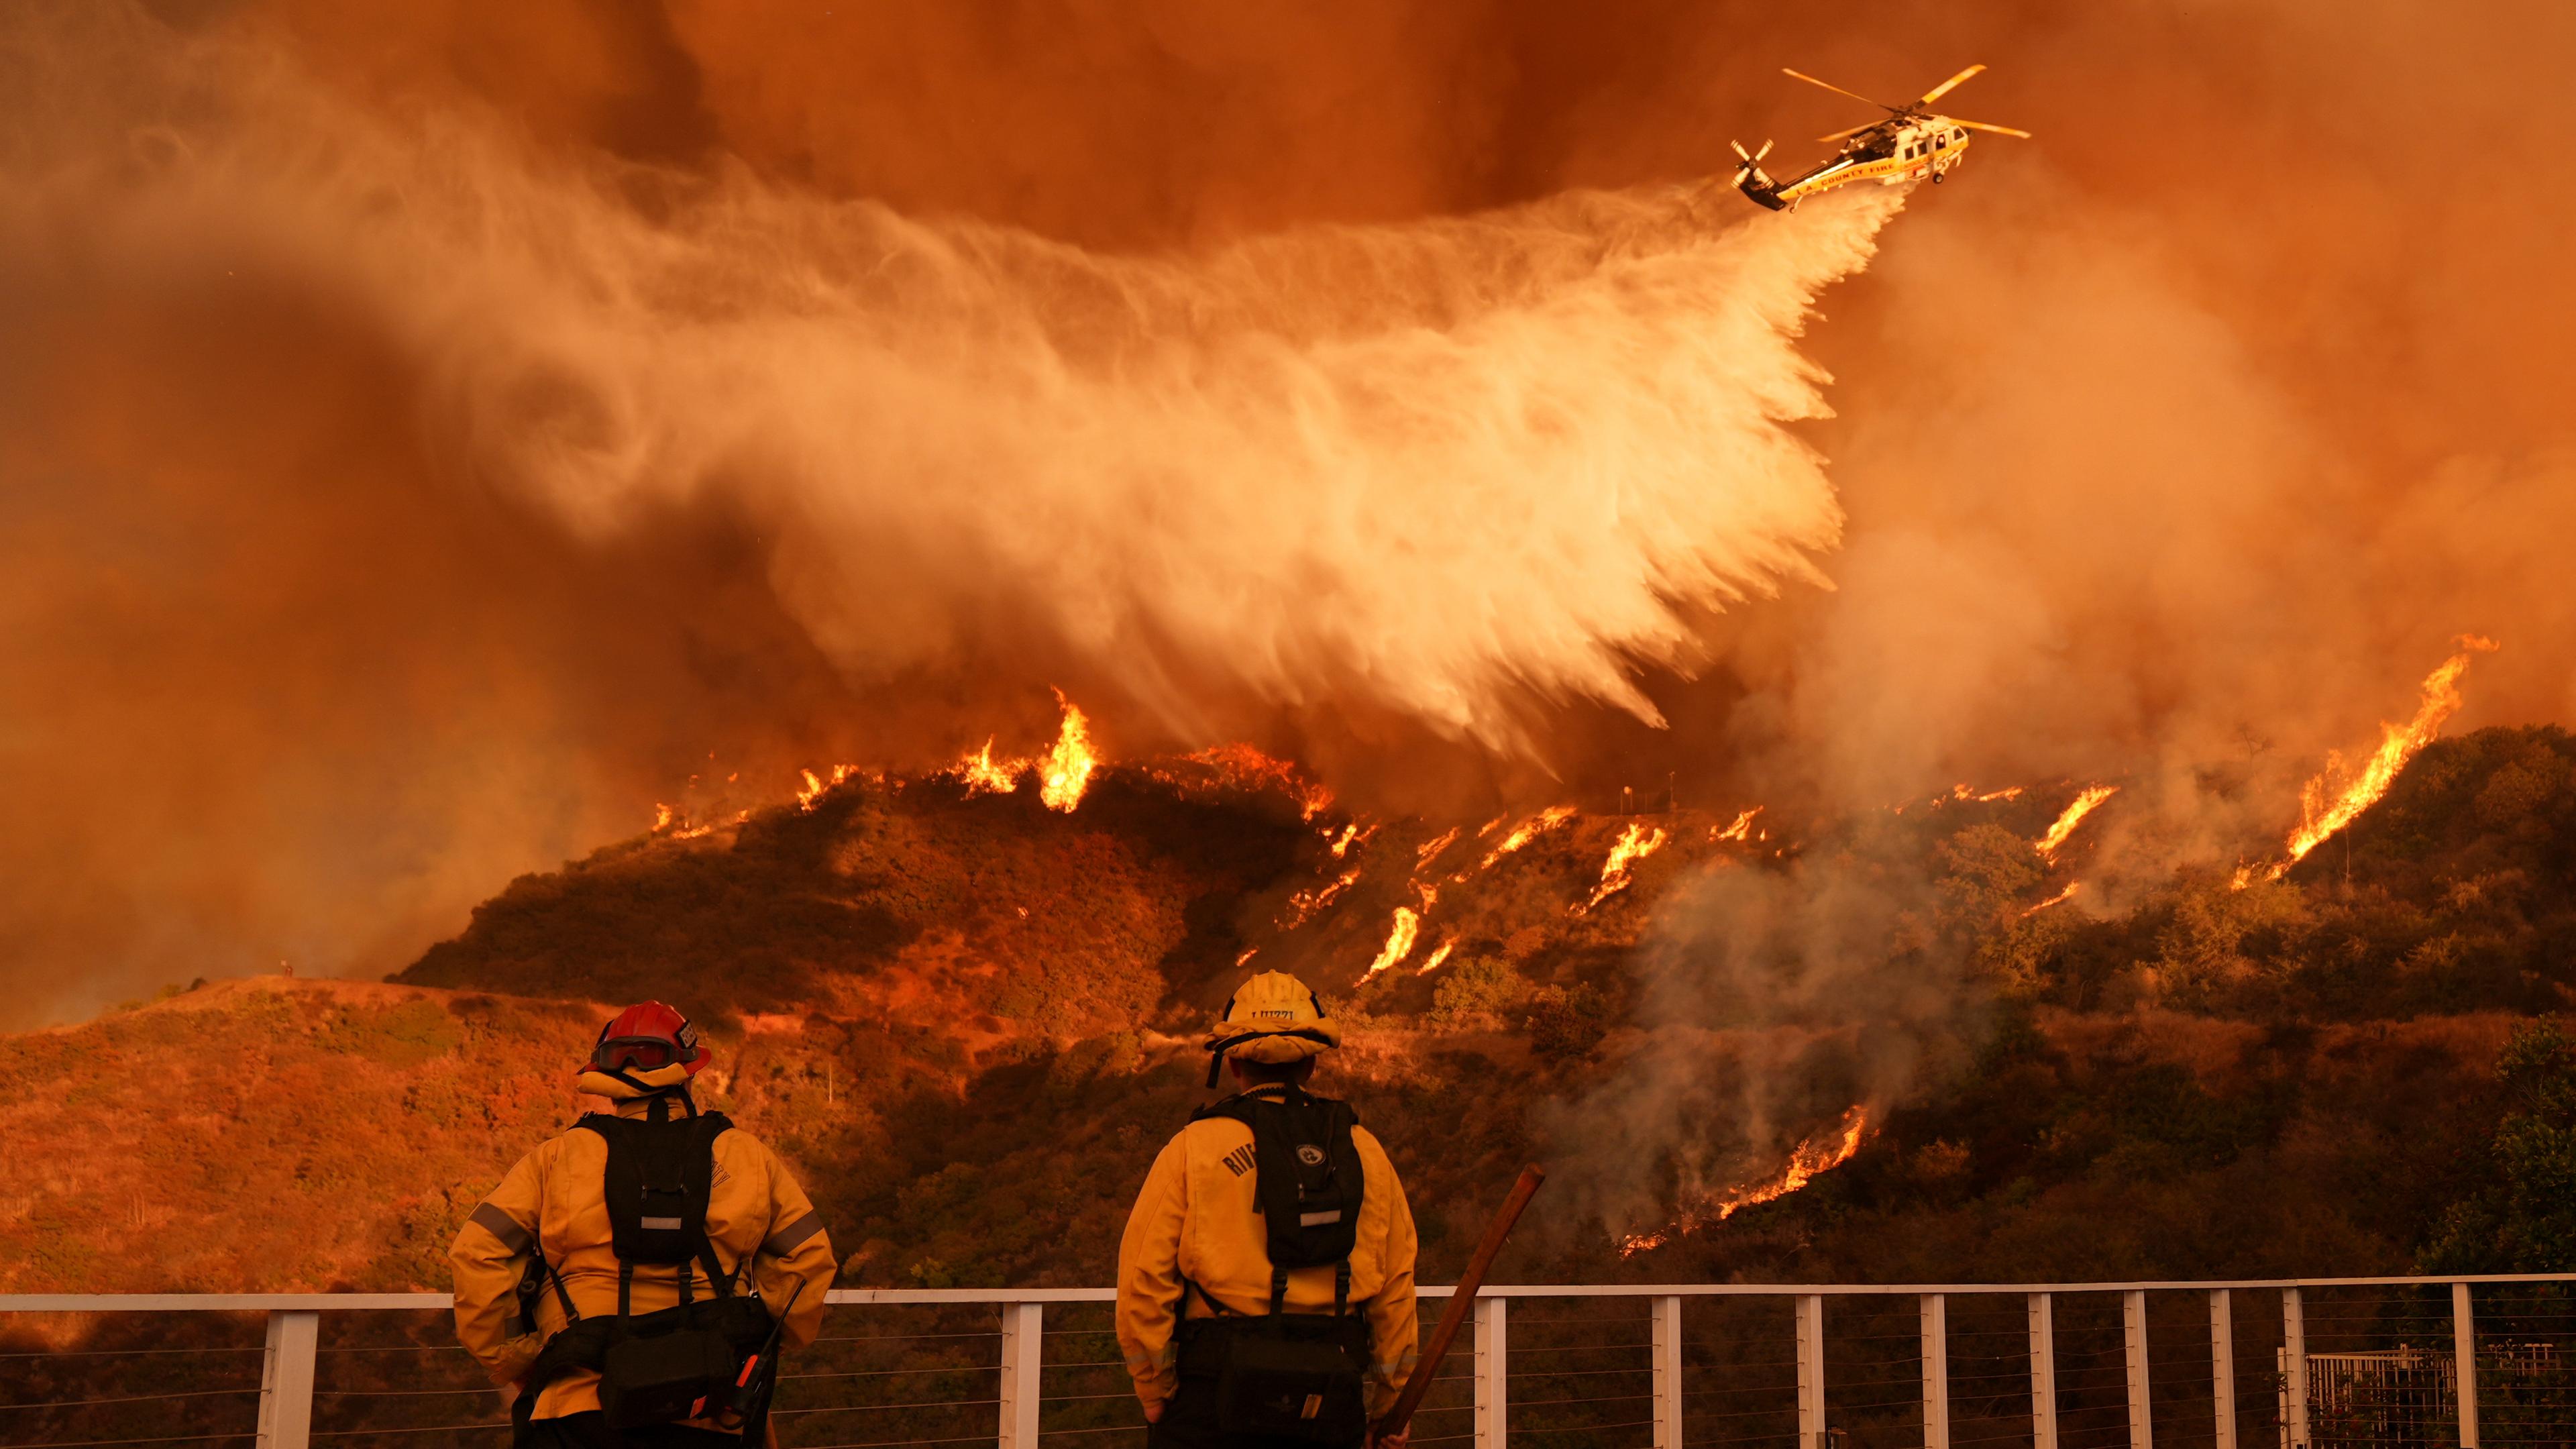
(532, 468)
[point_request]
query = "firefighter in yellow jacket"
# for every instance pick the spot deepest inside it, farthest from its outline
(651, 1222)
(1271, 1225)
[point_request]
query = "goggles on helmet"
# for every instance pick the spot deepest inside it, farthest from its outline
(634, 1053)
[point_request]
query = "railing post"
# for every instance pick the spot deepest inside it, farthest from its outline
(2043, 1373)
(286, 1379)
(1492, 1381)
(1023, 1345)
(2133, 1338)
(2294, 1371)
(1936, 1371)
(1668, 1371)
(1811, 1371)
(2464, 1345)
(2222, 1366)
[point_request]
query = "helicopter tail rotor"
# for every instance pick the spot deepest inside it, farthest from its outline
(1752, 167)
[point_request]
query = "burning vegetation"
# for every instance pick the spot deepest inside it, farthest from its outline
(1636, 842)
(955, 961)
(1366, 901)
(2062, 828)
(1525, 832)
(1819, 1154)
(1063, 772)
(2329, 803)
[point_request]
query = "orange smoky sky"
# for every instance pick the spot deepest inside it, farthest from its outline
(428, 434)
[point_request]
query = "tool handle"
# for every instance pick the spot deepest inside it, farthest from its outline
(1454, 1317)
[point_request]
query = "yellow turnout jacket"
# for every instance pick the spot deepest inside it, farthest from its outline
(1199, 1216)
(554, 1195)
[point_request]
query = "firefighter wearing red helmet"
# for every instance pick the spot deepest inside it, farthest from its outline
(634, 1279)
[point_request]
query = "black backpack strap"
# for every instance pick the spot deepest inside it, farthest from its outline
(1341, 1288)
(709, 1127)
(572, 1315)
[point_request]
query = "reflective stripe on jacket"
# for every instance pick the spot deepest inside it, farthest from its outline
(1198, 1216)
(755, 1210)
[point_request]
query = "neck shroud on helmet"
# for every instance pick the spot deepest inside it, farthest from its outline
(1273, 1018)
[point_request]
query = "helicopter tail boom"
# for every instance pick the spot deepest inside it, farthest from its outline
(1760, 188)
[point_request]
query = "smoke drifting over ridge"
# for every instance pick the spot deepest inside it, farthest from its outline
(368, 540)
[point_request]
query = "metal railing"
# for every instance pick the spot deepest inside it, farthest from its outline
(2397, 1362)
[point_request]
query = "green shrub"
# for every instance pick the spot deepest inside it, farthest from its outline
(2523, 1218)
(1567, 1023)
(1476, 995)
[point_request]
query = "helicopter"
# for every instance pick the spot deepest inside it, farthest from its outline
(1910, 144)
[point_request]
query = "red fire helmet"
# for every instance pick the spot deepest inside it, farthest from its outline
(647, 1037)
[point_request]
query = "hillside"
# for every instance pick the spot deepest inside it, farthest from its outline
(968, 1019)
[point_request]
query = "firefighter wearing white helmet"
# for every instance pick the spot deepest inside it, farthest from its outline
(1265, 1282)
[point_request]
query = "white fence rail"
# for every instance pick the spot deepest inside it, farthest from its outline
(2399, 1392)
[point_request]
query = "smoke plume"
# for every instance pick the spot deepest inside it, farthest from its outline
(1769, 1004)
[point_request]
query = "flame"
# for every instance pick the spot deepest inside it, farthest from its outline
(1433, 963)
(1248, 953)
(1635, 844)
(1431, 851)
(1969, 793)
(2067, 894)
(1742, 829)
(815, 786)
(1066, 771)
(2439, 700)
(1808, 1158)
(2073, 815)
(661, 817)
(1527, 831)
(1306, 903)
(1245, 768)
(1242, 767)
(982, 774)
(1399, 941)
(1351, 835)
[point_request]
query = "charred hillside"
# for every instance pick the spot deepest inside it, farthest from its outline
(969, 1019)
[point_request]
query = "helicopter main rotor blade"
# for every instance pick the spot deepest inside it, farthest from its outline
(1947, 86)
(1854, 131)
(1983, 126)
(1838, 90)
